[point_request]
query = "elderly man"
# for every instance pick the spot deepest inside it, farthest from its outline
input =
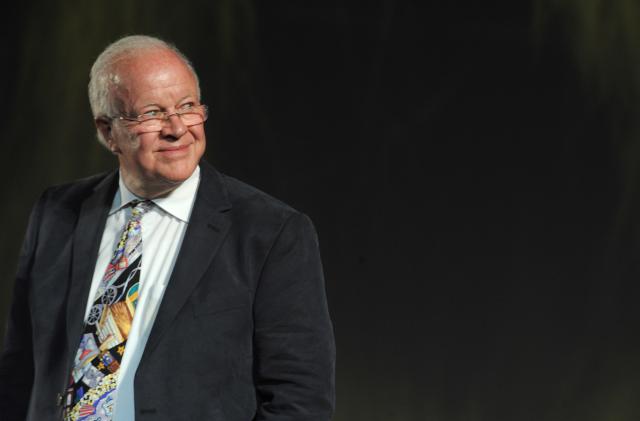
(164, 290)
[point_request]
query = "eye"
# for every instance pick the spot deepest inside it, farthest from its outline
(187, 106)
(151, 113)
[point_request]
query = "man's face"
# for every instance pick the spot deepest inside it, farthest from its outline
(154, 163)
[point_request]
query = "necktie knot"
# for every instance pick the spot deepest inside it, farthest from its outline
(140, 207)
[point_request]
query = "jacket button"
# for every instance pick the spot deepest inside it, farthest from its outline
(59, 398)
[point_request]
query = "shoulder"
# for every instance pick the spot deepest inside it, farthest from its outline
(56, 212)
(247, 198)
(241, 198)
(69, 196)
(259, 211)
(251, 209)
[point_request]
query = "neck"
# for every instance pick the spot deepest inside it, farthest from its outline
(148, 190)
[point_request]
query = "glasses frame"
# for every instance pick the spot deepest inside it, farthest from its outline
(164, 116)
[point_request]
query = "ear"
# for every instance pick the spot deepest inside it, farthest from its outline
(103, 125)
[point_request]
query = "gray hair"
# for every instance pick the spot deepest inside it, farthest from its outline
(103, 79)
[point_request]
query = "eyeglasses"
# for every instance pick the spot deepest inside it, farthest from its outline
(155, 121)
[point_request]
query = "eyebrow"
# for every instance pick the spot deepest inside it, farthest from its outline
(153, 104)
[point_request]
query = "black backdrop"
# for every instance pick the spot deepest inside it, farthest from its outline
(470, 168)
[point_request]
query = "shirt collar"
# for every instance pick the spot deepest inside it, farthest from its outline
(177, 203)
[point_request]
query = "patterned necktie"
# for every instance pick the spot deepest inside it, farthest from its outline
(92, 384)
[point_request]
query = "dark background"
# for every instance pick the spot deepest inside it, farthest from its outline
(471, 168)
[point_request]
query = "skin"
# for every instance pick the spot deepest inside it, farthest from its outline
(153, 164)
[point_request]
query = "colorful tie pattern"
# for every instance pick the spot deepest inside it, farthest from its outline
(92, 384)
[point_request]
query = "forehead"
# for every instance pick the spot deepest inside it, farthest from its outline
(152, 76)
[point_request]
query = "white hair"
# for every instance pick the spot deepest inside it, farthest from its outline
(103, 77)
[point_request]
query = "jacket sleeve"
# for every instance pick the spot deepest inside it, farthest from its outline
(293, 340)
(16, 359)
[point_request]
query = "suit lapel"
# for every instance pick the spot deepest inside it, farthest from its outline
(207, 228)
(86, 241)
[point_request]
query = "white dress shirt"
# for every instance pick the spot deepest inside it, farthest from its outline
(163, 228)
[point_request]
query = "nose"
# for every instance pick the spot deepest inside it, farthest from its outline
(173, 126)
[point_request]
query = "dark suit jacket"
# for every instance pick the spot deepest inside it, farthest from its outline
(243, 331)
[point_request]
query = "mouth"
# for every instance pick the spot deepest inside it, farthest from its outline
(174, 148)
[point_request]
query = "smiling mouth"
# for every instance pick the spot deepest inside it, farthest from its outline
(174, 148)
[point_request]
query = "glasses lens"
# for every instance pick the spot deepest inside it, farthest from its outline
(154, 125)
(197, 115)
(191, 118)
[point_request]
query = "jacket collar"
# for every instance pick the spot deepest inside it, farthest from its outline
(86, 241)
(207, 229)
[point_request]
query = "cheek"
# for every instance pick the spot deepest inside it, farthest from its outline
(197, 132)
(126, 141)
(199, 136)
(139, 151)
(144, 143)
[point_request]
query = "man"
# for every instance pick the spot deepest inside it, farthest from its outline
(164, 290)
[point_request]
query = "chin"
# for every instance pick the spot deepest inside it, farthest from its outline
(178, 173)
